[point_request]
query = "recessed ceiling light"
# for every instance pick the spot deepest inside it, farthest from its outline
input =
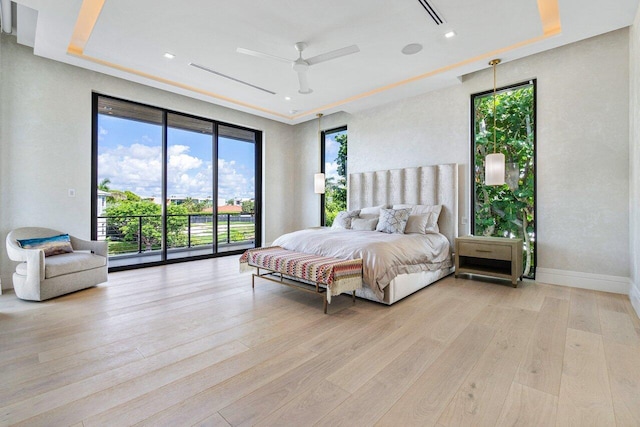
(287, 98)
(169, 55)
(450, 34)
(412, 49)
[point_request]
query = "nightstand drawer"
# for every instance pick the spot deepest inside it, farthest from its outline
(479, 250)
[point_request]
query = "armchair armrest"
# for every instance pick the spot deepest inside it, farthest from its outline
(95, 246)
(33, 257)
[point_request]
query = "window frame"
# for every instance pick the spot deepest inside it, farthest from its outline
(472, 214)
(323, 138)
(165, 112)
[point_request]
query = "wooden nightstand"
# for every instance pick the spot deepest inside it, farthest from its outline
(489, 256)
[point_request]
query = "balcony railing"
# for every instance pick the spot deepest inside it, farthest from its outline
(139, 234)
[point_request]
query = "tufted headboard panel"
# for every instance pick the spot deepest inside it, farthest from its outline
(424, 185)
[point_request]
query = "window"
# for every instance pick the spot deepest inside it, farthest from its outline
(508, 210)
(334, 166)
(169, 186)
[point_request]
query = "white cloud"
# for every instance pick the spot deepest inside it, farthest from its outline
(101, 133)
(138, 168)
(331, 169)
(234, 181)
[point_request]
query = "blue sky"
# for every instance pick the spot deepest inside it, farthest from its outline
(130, 155)
(331, 154)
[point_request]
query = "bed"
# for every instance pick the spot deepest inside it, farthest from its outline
(430, 255)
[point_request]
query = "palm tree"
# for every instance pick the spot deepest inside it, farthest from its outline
(104, 184)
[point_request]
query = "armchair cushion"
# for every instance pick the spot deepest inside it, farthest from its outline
(67, 264)
(54, 245)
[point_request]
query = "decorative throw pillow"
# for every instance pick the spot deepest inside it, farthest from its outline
(364, 224)
(54, 245)
(369, 216)
(393, 221)
(343, 219)
(432, 210)
(417, 224)
(375, 210)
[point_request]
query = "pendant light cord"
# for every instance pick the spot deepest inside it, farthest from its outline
(494, 63)
(494, 105)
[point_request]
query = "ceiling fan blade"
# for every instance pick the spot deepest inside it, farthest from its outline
(333, 54)
(304, 82)
(262, 55)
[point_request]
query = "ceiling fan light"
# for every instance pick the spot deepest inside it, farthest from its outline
(494, 169)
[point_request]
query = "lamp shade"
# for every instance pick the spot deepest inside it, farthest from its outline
(494, 169)
(318, 183)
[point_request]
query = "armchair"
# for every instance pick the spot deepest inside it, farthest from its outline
(38, 278)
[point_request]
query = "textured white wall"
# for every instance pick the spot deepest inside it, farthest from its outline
(45, 133)
(634, 160)
(583, 148)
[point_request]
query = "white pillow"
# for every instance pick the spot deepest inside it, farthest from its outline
(432, 210)
(375, 210)
(364, 224)
(417, 224)
(369, 216)
(343, 219)
(393, 221)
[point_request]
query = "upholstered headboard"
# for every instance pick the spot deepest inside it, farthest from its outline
(425, 185)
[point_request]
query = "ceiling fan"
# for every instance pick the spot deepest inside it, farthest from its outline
(301, 65)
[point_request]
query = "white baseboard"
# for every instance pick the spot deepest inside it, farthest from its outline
(577, 279)
(634, 296)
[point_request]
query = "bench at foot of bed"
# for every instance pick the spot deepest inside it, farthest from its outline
(328, 276)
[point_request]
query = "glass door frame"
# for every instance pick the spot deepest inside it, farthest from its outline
(215, 177)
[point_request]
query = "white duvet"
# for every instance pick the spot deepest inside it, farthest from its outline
(384, 256)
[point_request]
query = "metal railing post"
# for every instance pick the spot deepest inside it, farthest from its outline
(228, 228)
(189, 230)
(140, 234)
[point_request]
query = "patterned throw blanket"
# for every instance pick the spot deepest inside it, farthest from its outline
(338, 275)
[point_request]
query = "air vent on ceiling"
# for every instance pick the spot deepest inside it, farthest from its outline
(433, 13)
(202, 67)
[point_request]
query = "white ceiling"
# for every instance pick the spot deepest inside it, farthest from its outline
(129, 39)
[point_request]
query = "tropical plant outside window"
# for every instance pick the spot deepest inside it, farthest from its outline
(506, 210)
(334, 166)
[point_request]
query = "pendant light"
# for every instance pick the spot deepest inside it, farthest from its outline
(494, 163)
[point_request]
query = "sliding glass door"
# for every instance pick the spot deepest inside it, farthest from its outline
(169, 186)
(189, 206)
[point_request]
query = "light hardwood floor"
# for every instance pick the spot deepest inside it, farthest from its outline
(192, 344)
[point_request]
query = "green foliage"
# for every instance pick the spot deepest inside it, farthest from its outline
(104, 184)
(140, 220)
(508, 209)
(248, 207)
(335, 197)
(193, 206)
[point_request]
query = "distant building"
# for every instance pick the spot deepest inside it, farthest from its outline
(102, 222)
(226, 209)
